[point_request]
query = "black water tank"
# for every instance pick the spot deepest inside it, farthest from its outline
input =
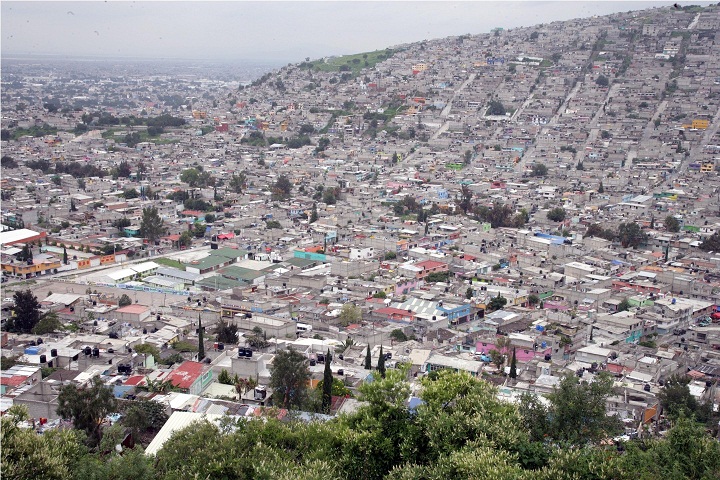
(43, 359)
(646, 387)
(341, 371)
(50, 364)
(96, 352)
(87, 351)
(53, 352)
(321, 357)
(313, 362)
(144, 331)
(248, 353)
(221, 346)
(39, 341)
(341, 357)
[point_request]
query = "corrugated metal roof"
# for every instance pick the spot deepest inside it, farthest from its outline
(178, 421)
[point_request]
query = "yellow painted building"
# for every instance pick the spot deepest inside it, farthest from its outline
(20, 269)
(707, 167)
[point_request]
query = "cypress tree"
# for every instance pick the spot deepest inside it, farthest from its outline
(327, 384)
(65, 257)
(381, 363)
(513, 366)
(201, 340)
(368, 360)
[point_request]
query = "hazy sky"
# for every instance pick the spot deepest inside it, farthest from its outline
(266, 30)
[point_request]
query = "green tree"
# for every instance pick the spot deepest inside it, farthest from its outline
(577, 412)
(130, 193)
(27, 455)
(289, 377)
(148, 349)
(349, 313)
(368, 359)
(675, 397)
(237, 182)
(711, 243)
(539, 170)
(497, 358)
(201, 339)
(48, 323)
(123, 170)
(398, 335)
(602, 81)
(672, 224)
(465, 198)
(495, 107)
(556, 214)
(26, 312)
(226, 333)
(124, 300)
(151, 225)
(533, 299)
(381, 362)
(328, 196)
(496, 303)
(185, 239)
(513, 365)
(197, 178)
(86, 407)
(327, 384)
(631, 235)
(601, 189)
(624, 305)
(314, 213)
(199, 229)
(143, 416)
(65, 256)
(25, 254)
(282, 188)
(225, 378)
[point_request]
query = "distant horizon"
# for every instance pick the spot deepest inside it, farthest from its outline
(270, 32)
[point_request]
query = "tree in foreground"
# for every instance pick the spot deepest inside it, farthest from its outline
(576, 413)
(368, 359)
(289, 377)
(513, 365)
(327, 384)
(461, 430)
(27, 312)
(381, 362)
(27, 455)
(143, 416)
(86, 407)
